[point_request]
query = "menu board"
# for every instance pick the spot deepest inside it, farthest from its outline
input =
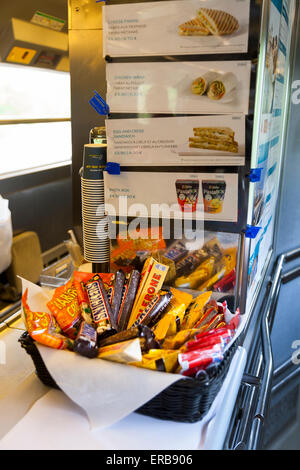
(176, 28)
(202, 196)
(179, 87)
(269, 152)
(177, 141)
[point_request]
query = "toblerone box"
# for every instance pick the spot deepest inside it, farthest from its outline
(152, 278)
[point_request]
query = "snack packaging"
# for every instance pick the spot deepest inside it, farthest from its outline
(227, 283)
(145, 334)
(190, 262)
(200, 358)
(85, 342)
(43, 328)
(195, 311)
(152, 278)
(171, 321)
(176, 251)
(206, 341)
(79, 280)
(175, 342)
(160, 360)
(101, 310)
(64, 306)
(209, 311)
(128, 300)
(156, 307)
(124, 352)
(117, 294)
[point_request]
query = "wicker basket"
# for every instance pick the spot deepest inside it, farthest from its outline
(187, 400)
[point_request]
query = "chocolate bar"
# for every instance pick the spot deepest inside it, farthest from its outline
(100, 307)
(176, 251)
(145, 334)
(190, 262)
(85, 343)
(127, 303)
(117, 294)
(152, 313)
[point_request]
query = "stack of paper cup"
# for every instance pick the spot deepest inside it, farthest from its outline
(96, 243)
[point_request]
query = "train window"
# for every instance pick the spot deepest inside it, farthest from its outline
(35, 118)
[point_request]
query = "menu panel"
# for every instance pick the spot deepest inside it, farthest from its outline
(203, 196)
(176, 28)
(178, 141)
(179, 87)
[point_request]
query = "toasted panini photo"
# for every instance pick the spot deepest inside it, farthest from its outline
(218, 22)
(193, 27)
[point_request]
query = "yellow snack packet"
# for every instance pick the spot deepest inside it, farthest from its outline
(175, 342)
(201, 274)
(196, 310)
(170, 323)
(160, 360)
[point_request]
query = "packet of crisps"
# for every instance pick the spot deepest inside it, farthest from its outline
(43, 328)
(158, 359)
(65, 307)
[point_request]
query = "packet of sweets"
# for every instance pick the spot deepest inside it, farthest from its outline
(124, 352)
(196, 310)
(85, 343)
(100, 307)
(43, 328)
(64, 306)
(159, 360)
(201, 274)
(210, 310)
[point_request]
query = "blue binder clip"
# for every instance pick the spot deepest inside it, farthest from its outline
(99, 104)
(255, 175)
(113, 168)
(251, 231)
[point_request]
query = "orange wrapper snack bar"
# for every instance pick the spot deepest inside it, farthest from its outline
(43, 328)
(150, 239)
(65, 307)
(151, 281)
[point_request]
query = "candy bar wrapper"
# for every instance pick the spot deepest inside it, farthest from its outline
(86, 341)
(65, 307)
(43, 328)
(117, 294)
(177, 341)
(124, 352)
(202, 273)
(176, 252)
(188, 264)
(210, 310)
(159, 360)
(141, 331)
(79, 280)
(128, 300)
(154, 310)
(100, 307)
(170, 323)
(213, 248)
(196, 310)
(152, 279)
(208, 339)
